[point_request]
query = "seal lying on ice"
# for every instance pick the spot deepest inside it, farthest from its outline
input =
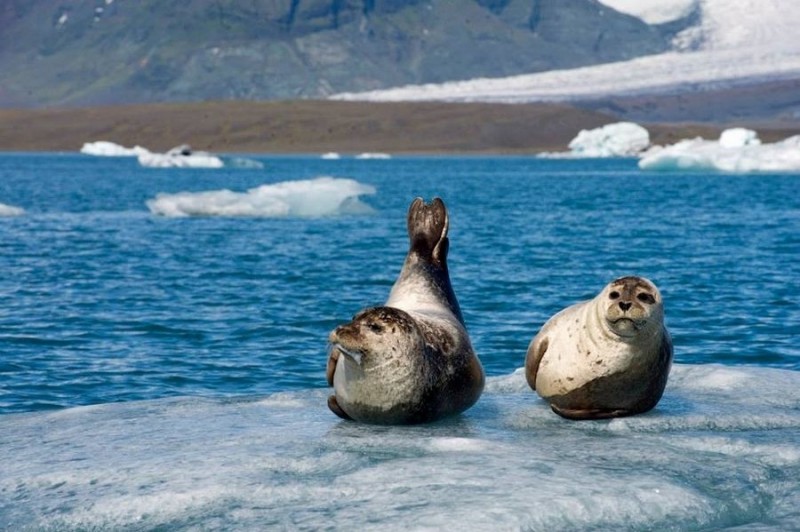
(606, 357)
(411, 360)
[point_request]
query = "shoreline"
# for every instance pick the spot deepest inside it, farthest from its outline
(320, 126)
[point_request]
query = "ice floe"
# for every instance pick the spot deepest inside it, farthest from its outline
(180, 157)
(322, 196)
(719, 451)
(738, 150)
(10, 210)
(330, 155)
(104, 148)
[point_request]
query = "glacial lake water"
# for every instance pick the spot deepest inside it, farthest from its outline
(168, 372)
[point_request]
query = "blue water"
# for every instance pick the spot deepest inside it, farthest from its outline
(168, 373)
(104, 302)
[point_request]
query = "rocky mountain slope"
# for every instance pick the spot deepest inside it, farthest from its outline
(87, 52)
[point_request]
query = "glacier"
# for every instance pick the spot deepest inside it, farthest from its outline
(733, 42)
(719, 451)
(322, 196)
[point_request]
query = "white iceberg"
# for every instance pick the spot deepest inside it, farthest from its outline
(323, 196)
(738, 150)
(243, 162)
(330, 155)
(373, 155)
(104, 148)
(10, 210)
(719, 452)
(621, 139)
(180, 157)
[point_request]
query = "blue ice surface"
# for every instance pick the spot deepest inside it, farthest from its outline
(720, 451)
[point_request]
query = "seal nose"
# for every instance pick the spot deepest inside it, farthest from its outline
(625, 305)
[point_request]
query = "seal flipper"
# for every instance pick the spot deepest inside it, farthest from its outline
(536, 351)
(333, 358)
(580, 414)
(336, 409)
(427, 233)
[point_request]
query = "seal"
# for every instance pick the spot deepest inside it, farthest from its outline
(606, 357)
(410, 360)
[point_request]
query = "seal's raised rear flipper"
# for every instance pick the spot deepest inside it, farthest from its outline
(427, 231)
(424, 280)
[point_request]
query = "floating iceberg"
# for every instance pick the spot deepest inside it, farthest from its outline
(10, 210)
(738, 150)
(323, 196)
(181, 157)
(373, 155)
(243, 162)
(105, 148)
(719, 451)
(622, 139)
(330, 155)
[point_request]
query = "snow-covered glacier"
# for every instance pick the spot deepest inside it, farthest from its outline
(733, 41)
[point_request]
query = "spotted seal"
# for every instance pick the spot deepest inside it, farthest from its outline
(606, 357)
(410, 360)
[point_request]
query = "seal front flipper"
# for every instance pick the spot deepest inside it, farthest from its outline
(533, 358)
(336, 409)
(333, 358)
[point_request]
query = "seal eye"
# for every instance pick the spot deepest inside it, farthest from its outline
(646, 298)
(613, 295)
(374, 327)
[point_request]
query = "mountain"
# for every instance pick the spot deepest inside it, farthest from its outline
(89, 52)
(733, 59)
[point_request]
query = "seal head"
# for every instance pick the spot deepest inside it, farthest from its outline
(411, 360)
(606, 357)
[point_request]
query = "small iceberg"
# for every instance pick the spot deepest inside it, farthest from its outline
(180, 157)
(373, 155)
(330, 155)
(738, 150)
(323, 196)
(243, 162)
(104, 148)
(10, 210)
(622, 139)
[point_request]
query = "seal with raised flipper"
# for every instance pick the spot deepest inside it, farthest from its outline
(410, 360)
(606, 357)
